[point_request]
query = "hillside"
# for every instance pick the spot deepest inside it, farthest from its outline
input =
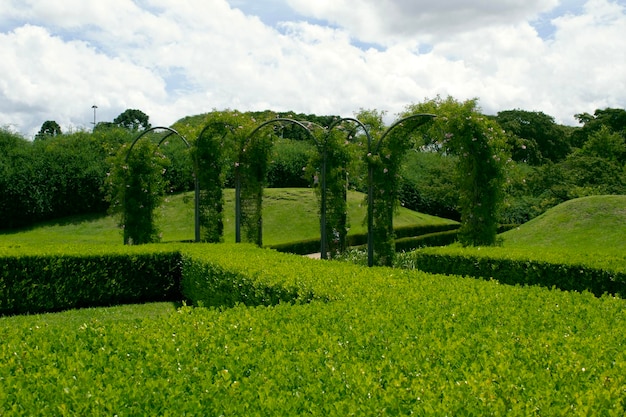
(596, 223)
(289, 214)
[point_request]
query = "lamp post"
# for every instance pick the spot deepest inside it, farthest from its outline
(94, 107)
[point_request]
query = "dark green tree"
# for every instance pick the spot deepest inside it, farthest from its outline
(611, 118)
(133, 119)
(535, 137)
(49, 129)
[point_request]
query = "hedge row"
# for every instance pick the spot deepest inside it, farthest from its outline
(34, 280)
(596, 273)
(38, 280)
(380, 342)
(407, 237)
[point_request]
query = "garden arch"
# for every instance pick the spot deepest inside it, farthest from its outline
(171, 132)
(373, 149)
(321, 148)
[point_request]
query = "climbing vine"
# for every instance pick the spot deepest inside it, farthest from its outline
(251, 175)
(208, 155)
(136, 188)
(332, 155)
(384, 159)
(480, 145)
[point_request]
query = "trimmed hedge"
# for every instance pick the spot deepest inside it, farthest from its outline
(387, 342)
(407, 237)
(596, 273)
(52, 279)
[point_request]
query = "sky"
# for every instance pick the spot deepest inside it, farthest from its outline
(176, 58)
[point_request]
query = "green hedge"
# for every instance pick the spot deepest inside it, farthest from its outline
(596, 273)
(379, 342)
(39, 280)
(407, 237)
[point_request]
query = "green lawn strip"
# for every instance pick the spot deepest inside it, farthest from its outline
(289, 214)
(389, 342)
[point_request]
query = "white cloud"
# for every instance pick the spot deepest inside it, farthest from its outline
(172, 59)
(390, 21)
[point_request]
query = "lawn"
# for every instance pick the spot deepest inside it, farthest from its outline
(594, 224)
(289, 214)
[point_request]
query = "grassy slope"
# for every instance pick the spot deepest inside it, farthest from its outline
(589, 224)
(289, 214)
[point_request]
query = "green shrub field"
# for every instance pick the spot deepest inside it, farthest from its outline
(310, 337)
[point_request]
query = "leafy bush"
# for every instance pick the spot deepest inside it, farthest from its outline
(288, 159)
(597, 273)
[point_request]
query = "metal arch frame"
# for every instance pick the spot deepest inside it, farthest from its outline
(172, 132)
(321, 146)
(370, 169)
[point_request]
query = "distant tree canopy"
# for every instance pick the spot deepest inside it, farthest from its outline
(613, 119)
(133, 119)
(537, 138)
(49, 128)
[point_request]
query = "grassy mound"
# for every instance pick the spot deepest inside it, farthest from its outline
(589, 224)
(289, 214)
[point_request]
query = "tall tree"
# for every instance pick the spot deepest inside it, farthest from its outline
(133, 119)
(611, 118)
(49, 128)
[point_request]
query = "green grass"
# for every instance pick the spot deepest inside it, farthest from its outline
(289, 214)
(589, 224)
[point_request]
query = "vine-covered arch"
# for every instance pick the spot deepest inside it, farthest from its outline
(169, 133)
(380, 210)
(208, 155)
(255, 165)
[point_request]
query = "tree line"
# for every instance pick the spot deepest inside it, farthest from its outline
(61, 174)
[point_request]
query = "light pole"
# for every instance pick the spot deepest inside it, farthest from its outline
(94, 107)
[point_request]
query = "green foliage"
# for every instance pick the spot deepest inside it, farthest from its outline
(373, 341)
(384, 163)
(597, 273)
(136, 190)
(251, 172)
(429, 184)
(133, 119)
(49, 129)
(534, 136)
(481, 148)
(209, 162)
(288, 159)
(613, 119)
(35, 280)
(333, 157)
(42, 180)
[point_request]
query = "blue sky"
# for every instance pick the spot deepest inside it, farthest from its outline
(174, 58)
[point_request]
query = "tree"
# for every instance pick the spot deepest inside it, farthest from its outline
(613, 119)
(133, 119)
(49, 128)
(536, 138)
